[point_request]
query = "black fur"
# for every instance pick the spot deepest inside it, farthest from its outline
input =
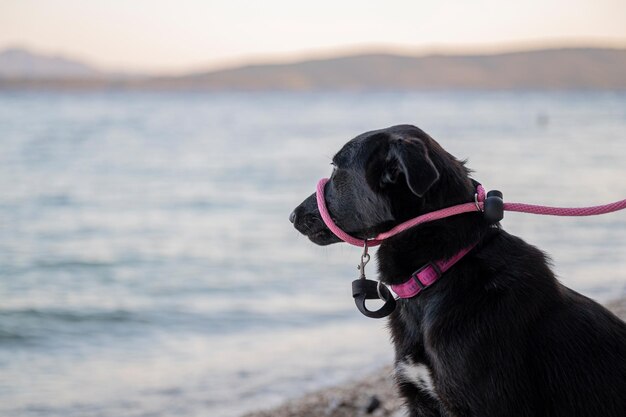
(498, 333)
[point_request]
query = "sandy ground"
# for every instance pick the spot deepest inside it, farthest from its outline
(373, 395)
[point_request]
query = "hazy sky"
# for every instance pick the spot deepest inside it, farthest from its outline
(173, 36)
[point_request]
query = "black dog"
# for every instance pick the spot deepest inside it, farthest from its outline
(497, 335)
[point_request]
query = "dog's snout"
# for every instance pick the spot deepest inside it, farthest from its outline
(307, 220)
(301, 213)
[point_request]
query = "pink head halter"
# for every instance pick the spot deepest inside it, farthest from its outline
(476, 205)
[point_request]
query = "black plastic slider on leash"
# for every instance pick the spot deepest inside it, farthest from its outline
(493, 207)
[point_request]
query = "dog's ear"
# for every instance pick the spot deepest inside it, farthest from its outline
(409, 157)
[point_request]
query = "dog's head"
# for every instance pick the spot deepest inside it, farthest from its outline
(380, 179)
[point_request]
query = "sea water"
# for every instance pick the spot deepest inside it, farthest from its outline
(148, 267)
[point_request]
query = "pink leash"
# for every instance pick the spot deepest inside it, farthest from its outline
(491, 205)
(477, 205)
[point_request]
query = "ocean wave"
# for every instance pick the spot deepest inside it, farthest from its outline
(42, 326)
(66, 265)
(9, 336)
(39, 326)
(73, 264)
(68, 315)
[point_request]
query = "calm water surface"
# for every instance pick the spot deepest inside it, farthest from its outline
(148, 268)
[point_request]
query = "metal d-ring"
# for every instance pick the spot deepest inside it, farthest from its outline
(476, 202)
(380, 295)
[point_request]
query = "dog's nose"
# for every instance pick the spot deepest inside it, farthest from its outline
(292, 217)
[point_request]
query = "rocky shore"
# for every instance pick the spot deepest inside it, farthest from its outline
(374, 395)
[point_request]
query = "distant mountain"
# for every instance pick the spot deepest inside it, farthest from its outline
(553, 69)
(21, 63)
(541, 69)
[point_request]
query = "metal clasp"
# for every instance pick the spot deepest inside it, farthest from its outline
(365, 258)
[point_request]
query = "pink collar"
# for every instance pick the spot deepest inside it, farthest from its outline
(427, 275)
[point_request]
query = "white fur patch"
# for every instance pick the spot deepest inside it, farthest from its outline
(417, 374)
